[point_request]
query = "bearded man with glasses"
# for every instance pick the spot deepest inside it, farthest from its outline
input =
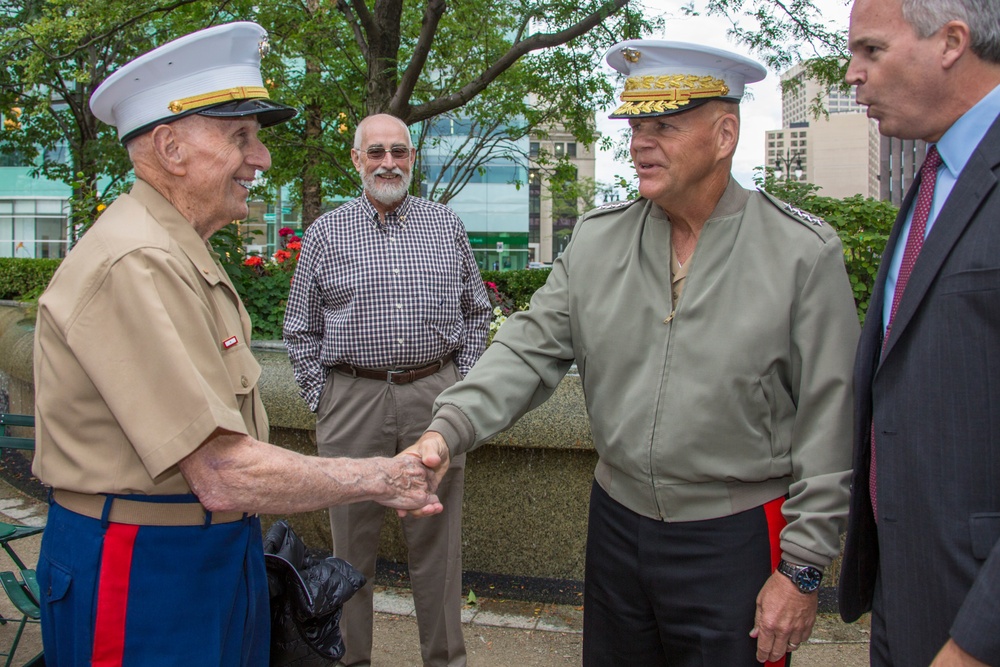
(387, 309)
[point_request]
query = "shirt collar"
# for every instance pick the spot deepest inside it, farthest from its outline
(179, 228)
(962, 138)
(371, 213)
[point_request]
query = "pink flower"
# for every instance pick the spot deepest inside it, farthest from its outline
(285, 231)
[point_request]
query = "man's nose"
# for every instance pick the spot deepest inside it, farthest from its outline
(854, 75)
(260, 158)
(640, 139)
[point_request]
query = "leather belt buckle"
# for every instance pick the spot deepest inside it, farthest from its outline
(405, 377)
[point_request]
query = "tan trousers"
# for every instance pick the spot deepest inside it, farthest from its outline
(361, 418)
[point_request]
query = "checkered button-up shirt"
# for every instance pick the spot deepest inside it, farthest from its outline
(394, 294)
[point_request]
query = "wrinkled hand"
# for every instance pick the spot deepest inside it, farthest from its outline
(411, 486)
(952, 655)
(432, 452)
(784, 618)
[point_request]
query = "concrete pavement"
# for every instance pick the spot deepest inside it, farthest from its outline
(498, 633)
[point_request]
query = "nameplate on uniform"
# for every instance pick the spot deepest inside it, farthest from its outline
(230, 342)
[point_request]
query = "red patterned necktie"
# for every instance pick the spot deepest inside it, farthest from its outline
(914, 242)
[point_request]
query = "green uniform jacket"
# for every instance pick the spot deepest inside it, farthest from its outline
(738, 394)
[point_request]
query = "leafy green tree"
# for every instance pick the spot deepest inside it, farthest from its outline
(506, 66)
(478, 75)
(54, 55)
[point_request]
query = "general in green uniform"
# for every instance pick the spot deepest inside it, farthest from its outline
(714, 331)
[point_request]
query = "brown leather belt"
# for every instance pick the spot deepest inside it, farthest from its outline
(402, 376)
(139, 513)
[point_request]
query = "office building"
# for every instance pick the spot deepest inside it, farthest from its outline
(553, 213)
(841, 150)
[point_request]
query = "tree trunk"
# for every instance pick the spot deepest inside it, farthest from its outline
(312, 187)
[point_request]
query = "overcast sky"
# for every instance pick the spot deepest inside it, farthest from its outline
(761, 109)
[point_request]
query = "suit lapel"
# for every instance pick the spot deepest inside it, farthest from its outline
(974, 184)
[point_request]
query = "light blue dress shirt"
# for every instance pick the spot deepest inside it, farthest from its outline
(955, 147)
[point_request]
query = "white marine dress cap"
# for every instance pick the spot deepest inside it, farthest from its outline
(665, 77)
(212, 72)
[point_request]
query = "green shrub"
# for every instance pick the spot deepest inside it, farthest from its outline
(862, 223)
(519, 285)
(261, 282)
(23, 279)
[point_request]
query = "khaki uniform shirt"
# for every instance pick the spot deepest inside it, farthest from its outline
(734, 394)
(141, 352)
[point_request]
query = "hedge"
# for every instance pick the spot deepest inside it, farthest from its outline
(24, 279)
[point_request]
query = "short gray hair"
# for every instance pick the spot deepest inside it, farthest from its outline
(982, 17)
(359, 130)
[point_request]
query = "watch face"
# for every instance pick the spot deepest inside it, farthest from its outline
(808, 579)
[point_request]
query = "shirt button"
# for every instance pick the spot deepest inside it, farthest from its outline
(244, 381)
(396, 271)
(400, 341)
(399, 306)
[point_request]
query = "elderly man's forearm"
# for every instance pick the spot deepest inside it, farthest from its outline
(235, 472)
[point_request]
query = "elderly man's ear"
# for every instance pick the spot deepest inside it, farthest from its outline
(169, 149)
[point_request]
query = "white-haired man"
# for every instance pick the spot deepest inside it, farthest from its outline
(387, 309)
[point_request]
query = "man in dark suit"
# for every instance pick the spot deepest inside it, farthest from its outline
(923, 542)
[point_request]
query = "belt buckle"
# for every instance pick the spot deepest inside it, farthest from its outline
(389, 374)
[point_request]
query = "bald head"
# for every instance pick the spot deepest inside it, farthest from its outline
(380, 122)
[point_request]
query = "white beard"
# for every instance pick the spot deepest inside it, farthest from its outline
(385, 192)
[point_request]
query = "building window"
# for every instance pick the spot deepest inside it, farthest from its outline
(571, 149)
(559, 149)
(32, 228)
(532, 149)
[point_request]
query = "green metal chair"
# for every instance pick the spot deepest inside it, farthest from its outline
(10, 532)
(21, 587)
(23, 593)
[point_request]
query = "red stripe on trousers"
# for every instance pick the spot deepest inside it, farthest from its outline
(112, 595)
(775, 523)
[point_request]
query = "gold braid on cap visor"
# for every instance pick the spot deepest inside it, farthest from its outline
(217, 97)
(655, 94)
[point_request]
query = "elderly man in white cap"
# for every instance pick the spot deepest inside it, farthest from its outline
(714, 331)
(150, 427)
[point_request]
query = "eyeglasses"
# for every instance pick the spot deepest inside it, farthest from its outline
(397, 152)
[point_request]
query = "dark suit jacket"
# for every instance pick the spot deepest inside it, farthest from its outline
(935, 395)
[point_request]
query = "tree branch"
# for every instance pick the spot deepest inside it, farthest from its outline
(535, 42)
(428, 28)
(360, 19)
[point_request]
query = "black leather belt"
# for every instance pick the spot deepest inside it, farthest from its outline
(401, 376)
